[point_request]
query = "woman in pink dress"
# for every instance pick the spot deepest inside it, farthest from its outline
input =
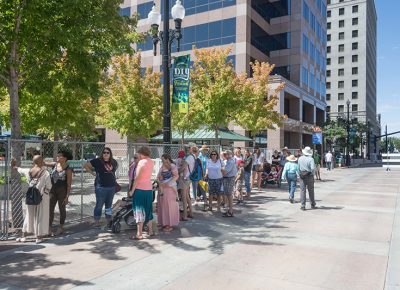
(168, 208)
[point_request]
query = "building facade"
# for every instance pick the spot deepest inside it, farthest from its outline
(290, 34)
(351, 61)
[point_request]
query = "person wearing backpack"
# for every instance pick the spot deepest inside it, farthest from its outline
(197, 173)
(37, 216)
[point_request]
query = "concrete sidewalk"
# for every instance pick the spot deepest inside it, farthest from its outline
(269, 244)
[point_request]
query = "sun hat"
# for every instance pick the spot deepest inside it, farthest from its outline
(181, 154)
(291, 158)
(285, 148)
(228, 152)
(307, 151)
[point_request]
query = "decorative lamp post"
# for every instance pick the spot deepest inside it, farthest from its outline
(166, 38)
(348, 134)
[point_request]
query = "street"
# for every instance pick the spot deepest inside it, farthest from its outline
(351, 241)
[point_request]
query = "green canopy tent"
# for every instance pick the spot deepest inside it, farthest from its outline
(205, 134)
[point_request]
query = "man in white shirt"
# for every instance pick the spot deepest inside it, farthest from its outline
(328, 160)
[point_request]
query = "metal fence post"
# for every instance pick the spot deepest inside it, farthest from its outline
(82, 189)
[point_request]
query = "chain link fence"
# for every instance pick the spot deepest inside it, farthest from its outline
(82, 197)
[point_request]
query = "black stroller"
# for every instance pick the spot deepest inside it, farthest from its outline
(125, 212)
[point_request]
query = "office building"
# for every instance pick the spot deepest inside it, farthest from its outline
(351, 61)
(290, 34)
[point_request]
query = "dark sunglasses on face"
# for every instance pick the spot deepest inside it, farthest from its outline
(213, 154)
(106, 152)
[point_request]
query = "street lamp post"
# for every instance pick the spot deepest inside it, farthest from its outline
(166, 37)
(348, 134)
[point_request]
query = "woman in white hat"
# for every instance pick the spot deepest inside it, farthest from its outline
(290, 173)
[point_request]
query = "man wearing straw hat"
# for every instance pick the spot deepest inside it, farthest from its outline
(307, 168)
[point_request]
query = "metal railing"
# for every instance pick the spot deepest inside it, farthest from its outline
(82, 197)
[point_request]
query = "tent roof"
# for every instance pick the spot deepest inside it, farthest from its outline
(206, 134)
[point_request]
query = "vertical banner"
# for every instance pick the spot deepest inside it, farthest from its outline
(317, 138)
(181, 83)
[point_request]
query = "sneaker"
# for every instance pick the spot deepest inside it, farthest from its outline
(314, 206)
(303, 208)
(291, 200)
(38, 241)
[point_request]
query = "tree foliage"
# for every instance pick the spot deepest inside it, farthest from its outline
(37, 36)
(131, 102)
(259, 100)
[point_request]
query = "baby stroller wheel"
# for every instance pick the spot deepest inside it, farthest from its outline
(116, 228)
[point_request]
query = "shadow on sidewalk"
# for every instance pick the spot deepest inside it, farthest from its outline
(18, 270)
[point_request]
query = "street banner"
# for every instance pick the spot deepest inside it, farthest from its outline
(181, 83)
(317, 138)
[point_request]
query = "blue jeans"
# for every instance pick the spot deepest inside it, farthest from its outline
(194, 188)
(247, 176)
(292, 181)
(104, 196)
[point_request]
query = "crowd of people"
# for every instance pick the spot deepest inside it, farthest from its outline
(214, 179)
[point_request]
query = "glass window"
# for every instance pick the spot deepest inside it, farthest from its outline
(355, 8)
(354, 83)
(354, 107)
(125, 11)
(201, 32)
(312, 51)
(328, 85)
(340, 108)
(328, 49)
(304, 75)
(354, 45)
(328, 108)
(328, 25)
(229, 27)
(354, 33)
(341, 72)
(354, 95)
(305, 44)
(341, 23)
(328, 13)
(328, 37)
(306, 11)
(354, 58)
(215, 5)
(201, 9)
(354, 21)
(341, 60)
(189, 34)
(341, 47)
(341, 11)
(215, 29)
(341, 35)
(328, 97)
(340, 84)
(354, 70)
(328, 61)
(328, 73)
(340, 97)
(312, 22)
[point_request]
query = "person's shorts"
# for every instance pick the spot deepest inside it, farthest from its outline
(317, 167)
(214, 186)
(229, 185)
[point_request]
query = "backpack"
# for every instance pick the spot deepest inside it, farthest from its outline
(197, 173)
(33, 195)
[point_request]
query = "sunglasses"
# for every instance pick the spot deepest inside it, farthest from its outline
(106, 152)
(213, 154)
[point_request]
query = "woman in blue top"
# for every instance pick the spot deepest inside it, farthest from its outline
(290, 173)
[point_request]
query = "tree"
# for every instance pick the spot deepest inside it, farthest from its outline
(334, 131)
(131, 102)
(259, 100)
(35, 35)
(215, 88)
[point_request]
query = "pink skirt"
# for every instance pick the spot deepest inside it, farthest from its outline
(168, 208)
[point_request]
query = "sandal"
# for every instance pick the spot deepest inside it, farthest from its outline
(227, 214)
(135, 237)
(169, 229)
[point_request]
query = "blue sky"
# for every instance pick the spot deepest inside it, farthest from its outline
(388, 71)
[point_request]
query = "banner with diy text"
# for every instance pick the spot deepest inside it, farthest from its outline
(181, 83)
